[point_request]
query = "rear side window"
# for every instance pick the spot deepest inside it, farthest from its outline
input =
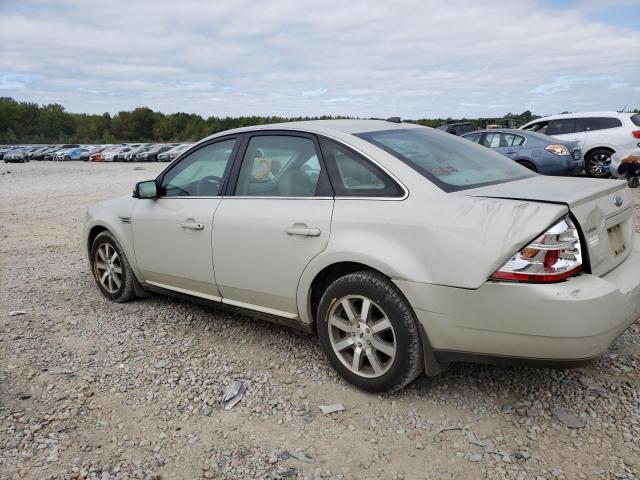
(600, 123)
(562, 126)
(353, 175)
(450, 162)
(636, 119)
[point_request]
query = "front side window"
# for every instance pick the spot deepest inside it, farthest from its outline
(540, 127)
(200, 173)
(474, 137)
(353, 175)
(562, 126)
(450, 162)
(279, 166)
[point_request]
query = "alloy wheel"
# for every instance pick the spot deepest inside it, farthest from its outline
(108, 268)
(362, 336)
(598, 164)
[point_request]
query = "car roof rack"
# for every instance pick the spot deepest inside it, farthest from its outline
(394, 119)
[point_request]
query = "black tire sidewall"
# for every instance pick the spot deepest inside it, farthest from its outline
(377, 289)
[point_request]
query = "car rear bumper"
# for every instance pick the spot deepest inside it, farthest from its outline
(569, 321)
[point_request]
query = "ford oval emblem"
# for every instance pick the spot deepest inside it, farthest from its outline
(618, 200)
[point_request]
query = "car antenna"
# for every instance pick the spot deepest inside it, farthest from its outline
(394, 119)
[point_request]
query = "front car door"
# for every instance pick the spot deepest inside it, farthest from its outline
(274, 219)
(172, 234)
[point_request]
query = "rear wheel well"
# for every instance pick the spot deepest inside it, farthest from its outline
(528, 164)
(327, 276)
(93, 233)
(608, 149)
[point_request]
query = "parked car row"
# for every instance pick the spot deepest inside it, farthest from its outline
(563, 144)
(129, 152)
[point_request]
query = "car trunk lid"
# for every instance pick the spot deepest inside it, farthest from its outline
(603, 209)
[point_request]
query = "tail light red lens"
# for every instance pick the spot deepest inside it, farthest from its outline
(553, 256)
(636, 134)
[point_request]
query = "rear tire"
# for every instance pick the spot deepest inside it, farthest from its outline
(111, 269)
(369, 332)
(595, 163)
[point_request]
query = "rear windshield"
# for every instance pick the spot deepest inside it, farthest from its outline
(452, 163)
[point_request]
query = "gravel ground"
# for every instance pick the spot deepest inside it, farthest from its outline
(93, 389)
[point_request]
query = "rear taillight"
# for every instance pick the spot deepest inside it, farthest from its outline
(557, 149)
(636, 134)
(553, 256)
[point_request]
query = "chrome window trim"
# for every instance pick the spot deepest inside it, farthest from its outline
(376, 163)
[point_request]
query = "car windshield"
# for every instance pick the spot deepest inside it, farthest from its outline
(450, 162)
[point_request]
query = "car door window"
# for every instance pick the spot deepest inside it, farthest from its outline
(600, 123)
(279, 166)
(491, 140)
(540, 127)
(474, 137)
(562, 126)
(353, 175)
(518, 141)
(200, 173)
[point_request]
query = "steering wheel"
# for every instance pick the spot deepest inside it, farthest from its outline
(206, 185)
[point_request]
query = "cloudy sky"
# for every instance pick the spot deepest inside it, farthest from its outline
(413, 58)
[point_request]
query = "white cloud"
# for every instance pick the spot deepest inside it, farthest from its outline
(407, 57)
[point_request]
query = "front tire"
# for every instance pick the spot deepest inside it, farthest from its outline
(111, 269)
(369, 333)
(598, 163)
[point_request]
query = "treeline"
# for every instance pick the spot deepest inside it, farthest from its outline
(28, 122)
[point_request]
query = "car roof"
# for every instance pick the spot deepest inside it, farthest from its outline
(522, 133)
(581, 115)
(327, 127)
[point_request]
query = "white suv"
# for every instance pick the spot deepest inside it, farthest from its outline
(600, 134)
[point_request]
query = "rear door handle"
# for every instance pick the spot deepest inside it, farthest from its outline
(192, 225)
(511, 151)
(303, 231)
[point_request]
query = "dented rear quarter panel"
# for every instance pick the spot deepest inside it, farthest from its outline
(445, 239)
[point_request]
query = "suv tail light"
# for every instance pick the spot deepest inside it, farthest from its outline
(557, 149)
(636, 134)
(553, 256)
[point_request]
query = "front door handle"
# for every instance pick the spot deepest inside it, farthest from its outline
(302, 230)
(192, 225)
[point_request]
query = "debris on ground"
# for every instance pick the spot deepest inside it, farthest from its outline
(302, 456)
(233, 395)
(333, 408)
(60, 371)
(15, 313)
(568, 418)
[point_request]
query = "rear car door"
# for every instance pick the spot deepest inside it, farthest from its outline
(569, 129)
(172, 234)
(274, 219)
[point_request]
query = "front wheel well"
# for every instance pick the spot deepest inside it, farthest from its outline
(93, 233)
(327, 276)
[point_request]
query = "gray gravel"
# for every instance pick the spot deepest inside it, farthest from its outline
(92, 389)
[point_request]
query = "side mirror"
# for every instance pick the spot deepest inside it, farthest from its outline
(148, 189)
